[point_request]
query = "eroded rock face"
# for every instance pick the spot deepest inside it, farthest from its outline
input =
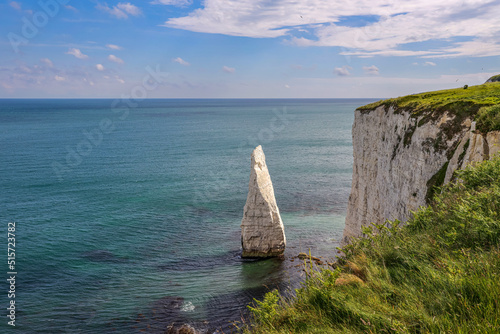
(262, 231)
(398, 160)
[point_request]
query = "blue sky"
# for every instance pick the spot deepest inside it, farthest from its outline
(245, 48)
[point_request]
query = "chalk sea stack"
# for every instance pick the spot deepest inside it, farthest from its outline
(262, 231)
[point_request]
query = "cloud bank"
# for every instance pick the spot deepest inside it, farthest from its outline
(362, 28)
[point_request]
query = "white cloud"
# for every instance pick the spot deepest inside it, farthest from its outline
(254, 18)
(181, 61)
(90, 82)
(7, 86)
(59, 78)
(129, 8)
(15, 5)
(99, 67)
(399, 23)
(429, 63)
(47, 62)
(122, 10)
(177, 3)
(371, 70)
(113, 47)
(342, 71)
(115, 59)
(475, 48)
(228, 69)
(388, 53)
(77, 53)
(71, 8)
(287, 86)
(26, 69)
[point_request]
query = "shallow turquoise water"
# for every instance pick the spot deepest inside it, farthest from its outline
(130, 221)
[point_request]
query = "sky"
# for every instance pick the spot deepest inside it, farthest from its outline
(245, 48)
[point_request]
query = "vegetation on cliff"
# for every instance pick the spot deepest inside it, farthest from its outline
(440, 273)
(459, 102)
(488, 118)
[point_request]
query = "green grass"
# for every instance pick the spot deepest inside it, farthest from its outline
(488, 118)
(440, 273)
(457, 98)
(459, 102)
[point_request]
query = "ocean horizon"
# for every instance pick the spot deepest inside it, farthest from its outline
(128, 212)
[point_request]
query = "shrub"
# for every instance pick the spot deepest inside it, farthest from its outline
(488, 118)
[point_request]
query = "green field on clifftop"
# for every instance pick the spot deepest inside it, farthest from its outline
(440, 273)
(459, 101)
(482, 95)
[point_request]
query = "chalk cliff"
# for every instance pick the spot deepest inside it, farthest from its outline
(262, 231)
(403, 150)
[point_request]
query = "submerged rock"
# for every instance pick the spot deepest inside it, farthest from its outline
(184, 329)
(262, 231)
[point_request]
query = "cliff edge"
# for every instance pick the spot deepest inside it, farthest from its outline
(406, 147)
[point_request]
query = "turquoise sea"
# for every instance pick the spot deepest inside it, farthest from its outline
(128, 216)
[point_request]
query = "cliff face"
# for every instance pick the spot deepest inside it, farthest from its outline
(400, 155)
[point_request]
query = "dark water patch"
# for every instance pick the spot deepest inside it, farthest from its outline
(204, 262)
(164, 312)
(102, 255)
(223, 313)
(227, 311)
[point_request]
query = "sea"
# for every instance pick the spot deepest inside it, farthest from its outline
(124, 216)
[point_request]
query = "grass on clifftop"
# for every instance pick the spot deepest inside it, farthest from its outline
(458, 101)
(438, 274)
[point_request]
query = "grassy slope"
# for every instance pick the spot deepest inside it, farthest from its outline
(438, 274)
